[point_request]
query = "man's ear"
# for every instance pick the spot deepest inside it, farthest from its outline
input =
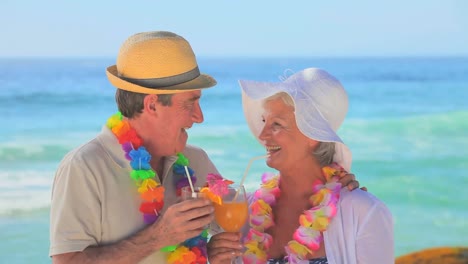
(150, 103)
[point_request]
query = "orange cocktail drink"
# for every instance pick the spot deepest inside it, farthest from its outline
(231, 210)
(231, 216)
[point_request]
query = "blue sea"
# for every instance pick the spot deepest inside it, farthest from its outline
(407, 126)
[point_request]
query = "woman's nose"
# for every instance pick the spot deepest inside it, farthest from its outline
(264, 133)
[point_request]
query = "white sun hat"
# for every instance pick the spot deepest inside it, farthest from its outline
(320, 103)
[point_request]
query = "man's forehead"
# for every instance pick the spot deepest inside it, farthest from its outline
(190, 95)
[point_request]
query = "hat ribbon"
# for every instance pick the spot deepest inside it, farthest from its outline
(164, 81)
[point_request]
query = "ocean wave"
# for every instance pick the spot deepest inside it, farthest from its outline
(437, 135)
(205, 131)
(46, 152)
(409, 76)
(24, 191)
(402, 70)
(41, 148)
(440, 135)
(53, 98)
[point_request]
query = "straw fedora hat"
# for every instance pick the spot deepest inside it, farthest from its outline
(157, 62)
(320, 107)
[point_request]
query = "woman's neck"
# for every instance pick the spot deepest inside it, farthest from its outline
(298, 182)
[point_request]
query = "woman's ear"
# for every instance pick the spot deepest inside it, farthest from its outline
(313, 144)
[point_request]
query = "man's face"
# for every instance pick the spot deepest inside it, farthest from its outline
(177, 118)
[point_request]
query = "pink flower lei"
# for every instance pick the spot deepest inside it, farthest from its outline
(191, 251)
(308, 236)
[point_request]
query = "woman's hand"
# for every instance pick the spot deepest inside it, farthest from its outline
(223, 247)
(349, 180)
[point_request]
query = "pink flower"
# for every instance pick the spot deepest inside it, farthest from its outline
(217, 184)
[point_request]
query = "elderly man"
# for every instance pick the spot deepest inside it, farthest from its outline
(115, 198)
(107, 209)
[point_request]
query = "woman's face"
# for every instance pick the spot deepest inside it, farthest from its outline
(286, 145)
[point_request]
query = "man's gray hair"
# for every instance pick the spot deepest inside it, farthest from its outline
(131, 104)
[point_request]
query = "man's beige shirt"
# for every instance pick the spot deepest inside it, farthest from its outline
(95, 202)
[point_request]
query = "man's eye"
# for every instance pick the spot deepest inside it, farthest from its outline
(189, 105)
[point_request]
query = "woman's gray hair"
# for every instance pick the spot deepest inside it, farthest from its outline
(130, 104)
(283, 96)
(325, 151)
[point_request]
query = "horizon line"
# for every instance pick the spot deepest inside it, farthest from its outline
(447, 56)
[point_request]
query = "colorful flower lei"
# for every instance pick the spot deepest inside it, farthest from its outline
(152, 193)
(308, 236)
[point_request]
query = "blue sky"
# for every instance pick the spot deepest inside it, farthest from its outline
(238, 28)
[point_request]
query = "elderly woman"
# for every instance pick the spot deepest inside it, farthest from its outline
(303, 215)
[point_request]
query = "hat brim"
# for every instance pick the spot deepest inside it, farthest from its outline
(203, 81)
(253, 95)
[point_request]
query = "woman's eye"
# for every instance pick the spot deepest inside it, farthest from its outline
(275, 124)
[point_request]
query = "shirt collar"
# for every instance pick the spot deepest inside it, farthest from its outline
(114, 149)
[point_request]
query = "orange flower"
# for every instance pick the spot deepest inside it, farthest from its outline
(156, 194)
(210, 195)
(121, 128)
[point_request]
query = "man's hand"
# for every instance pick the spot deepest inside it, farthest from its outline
(349, 180)
(182, 221)
(179, 223)
(223, 247)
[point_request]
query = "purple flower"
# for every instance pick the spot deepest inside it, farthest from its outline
(150, 218)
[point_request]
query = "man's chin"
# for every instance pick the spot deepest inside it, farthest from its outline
(180, 147)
